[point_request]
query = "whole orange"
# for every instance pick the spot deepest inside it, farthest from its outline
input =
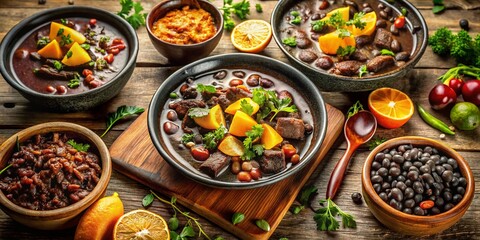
(391, 107)
(100, 219)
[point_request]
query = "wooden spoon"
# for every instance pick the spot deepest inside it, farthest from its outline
(358, 129)
(192, 3)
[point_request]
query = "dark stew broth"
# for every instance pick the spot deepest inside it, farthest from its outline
(104, 44)
(367, 58)
(227, 87)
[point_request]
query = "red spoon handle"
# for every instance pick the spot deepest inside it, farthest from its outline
(338, 172)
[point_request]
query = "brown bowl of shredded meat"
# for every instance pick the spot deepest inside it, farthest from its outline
(184, 32)
(51, 173)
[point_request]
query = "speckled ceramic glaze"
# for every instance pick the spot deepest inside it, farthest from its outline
(69, 102)
(183, 54)
(253, 62)
(338, 83)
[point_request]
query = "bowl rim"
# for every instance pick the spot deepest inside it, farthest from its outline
(422, 46)
(48, 127)
(419, 141)
(153, 128)
(16, 32)
(180, 4)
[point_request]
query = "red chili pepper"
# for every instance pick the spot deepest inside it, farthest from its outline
(427, 204)
(109, 58)
(92, 22)
(399, 22)
(87, 72)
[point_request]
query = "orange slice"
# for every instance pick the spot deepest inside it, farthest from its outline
(141, 224)
(231, 146)
(370, 19)
(251, 36)
(213, 120)
(392, 108)
(330, 42)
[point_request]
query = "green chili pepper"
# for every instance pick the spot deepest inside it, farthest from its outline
(434, 122)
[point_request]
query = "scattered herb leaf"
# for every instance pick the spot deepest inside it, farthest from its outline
(343, 33)
(290, 41)
(148, 200)
(375, 142)
(187, 231)
(325, 217)
(211, 138)
(135, 19)
(173, 223)
(246, 107)
(64, 21)
(362, 71)
(345, 51)
(122, 112)
(69, 54)
(258, 8)
(253, 150)
(297, 19)
(57, 65)
(188, 137)
(85, 46)
(438, 6)
(354, 109)
(66, 40)
(73, 83)
(357, 20)
(318, 25)
(42, 42)
(5, 168)
(304, 198)
(206, 88)
(262, 224)
(198, 112)
(240, 9)
(336, 20)
(238, 218)
(387, 52)
(79, 146)
(60, 32)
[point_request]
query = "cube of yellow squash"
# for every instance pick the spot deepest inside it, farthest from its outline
(270, 138)
(51, 50)
(76, 55)
(56, 32)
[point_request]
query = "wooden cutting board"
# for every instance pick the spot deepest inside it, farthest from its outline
(134, 155)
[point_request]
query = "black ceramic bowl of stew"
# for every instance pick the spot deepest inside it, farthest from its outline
(231, 78)
(332, 70)
(52, 80)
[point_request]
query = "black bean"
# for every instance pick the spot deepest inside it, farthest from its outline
(395, 165)
(457, 198)
(462, 181)
(447, 166)
(170, 127)
(394, 183)
(407, 210)
(425, 169)
(388, 156)
(439, 202)
(457, 174)
(377, 187)
(307, 56)
(435, 159)
(376, 165)
(383, 196)
(401, 185)
(383, 172)
(427, 177)
(417, 164)
(379, 157)
(431, 163)
(448, 206)
(315, 16)
(447, 196)
(437, 177)
(266, 83)
(460, 190)
(443, 159)
(386, 163)
(464, 24)
(239, 74)
(418, 211)
(412, 175)
(414, 153)
(398, 159)
(352, 4)
(395, 204)
(381, 6)
(172, 115)
(407, 165)
(454, 181)
(397, 194)
(383, 14)
(324, 62)
(409, 203)
(418, 187)
(435, 210)
(377, 179)
(394, 172)
(357, 198)
(388, 10)
(447, 175)
(386, 185)
(408, 182)
(395, 46)
(253, 80)
(401, 178)
(367, 10)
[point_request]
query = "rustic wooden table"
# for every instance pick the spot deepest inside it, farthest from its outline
(16, 113)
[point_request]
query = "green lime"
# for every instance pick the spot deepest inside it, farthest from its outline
(465, 116)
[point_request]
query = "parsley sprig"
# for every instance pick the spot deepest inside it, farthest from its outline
(212, 138)
(240, 9)
(122, 112)
(270, 104)
(303, 198)
(206, 88)
(325, 217)
(345, 51)
(252, 150)
(246, 107)
(82, 147)
(135, 19)
(354, 109)
(357, 20)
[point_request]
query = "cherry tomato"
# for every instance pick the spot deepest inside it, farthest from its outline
(87, 72)
(471, 91)
(441, 96)
(89, 78)
(399, 22)
(244, 176)
(92, 22)
(289, 150)
(295, 159)
(200, 153)
(456, 84)
(117, 41)
(255, 174)
(109, 58)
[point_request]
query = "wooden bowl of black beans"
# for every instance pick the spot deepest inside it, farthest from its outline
(416, 185)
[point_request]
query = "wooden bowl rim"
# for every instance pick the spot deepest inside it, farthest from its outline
(6, 151)
(420, 141)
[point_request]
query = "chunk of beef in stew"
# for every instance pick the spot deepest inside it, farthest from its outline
(272, 161)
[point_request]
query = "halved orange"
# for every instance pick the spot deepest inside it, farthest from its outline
(370, 19)
(141, 224)
(213, 120)
(330, 42)
(392, 108)
(251, 36)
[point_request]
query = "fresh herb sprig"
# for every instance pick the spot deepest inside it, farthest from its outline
(325, 217)
(270, 104)
(246, 107)
(252, 150)
(387, 52)
(81, 147)
(188, 230)
(375, 141)
(459, 71)
(297, 19)
(240, 9)
(135, 19)
(438, 6)
(461, 46)
(354, 109)
(211, 139)
(290, 41)
(357, 20)
(345, 51)
(206, 88)
(122, 112)
(188, 137)
(362, 70)
(303, 198)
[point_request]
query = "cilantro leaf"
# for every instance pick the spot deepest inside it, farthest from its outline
(290, 41)
(246, 107)
(79, 146)
(325, 217)
(343, 33)
(135, 19)
(354, 109)
(362, 71)
(357, 20)
(206, 88)
(258, 96)
(253, 150)
(336, 20)
(211, 138)
(240, 9)
(387, 52)
(198, 112)
(270, 103)
(258, 8)
(318, 25)
(188, 137)
(297, 19)
(347, 51)
(122, 112)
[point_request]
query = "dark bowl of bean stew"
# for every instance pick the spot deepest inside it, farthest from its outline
(416, 185)
(69, 59)
(350, 45)
(237, 121)
(52, 172)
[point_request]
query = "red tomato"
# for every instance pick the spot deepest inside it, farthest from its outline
(441, 96)
(200, 153)
(289, 150)
(456, 84)
(109, 58)
(471, 91)
(399, 22)
(87, 72)
(92, 22)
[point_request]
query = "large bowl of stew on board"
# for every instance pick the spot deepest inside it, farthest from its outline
(180, 135)
(298, 32)
(55, 83)
(54, 176)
